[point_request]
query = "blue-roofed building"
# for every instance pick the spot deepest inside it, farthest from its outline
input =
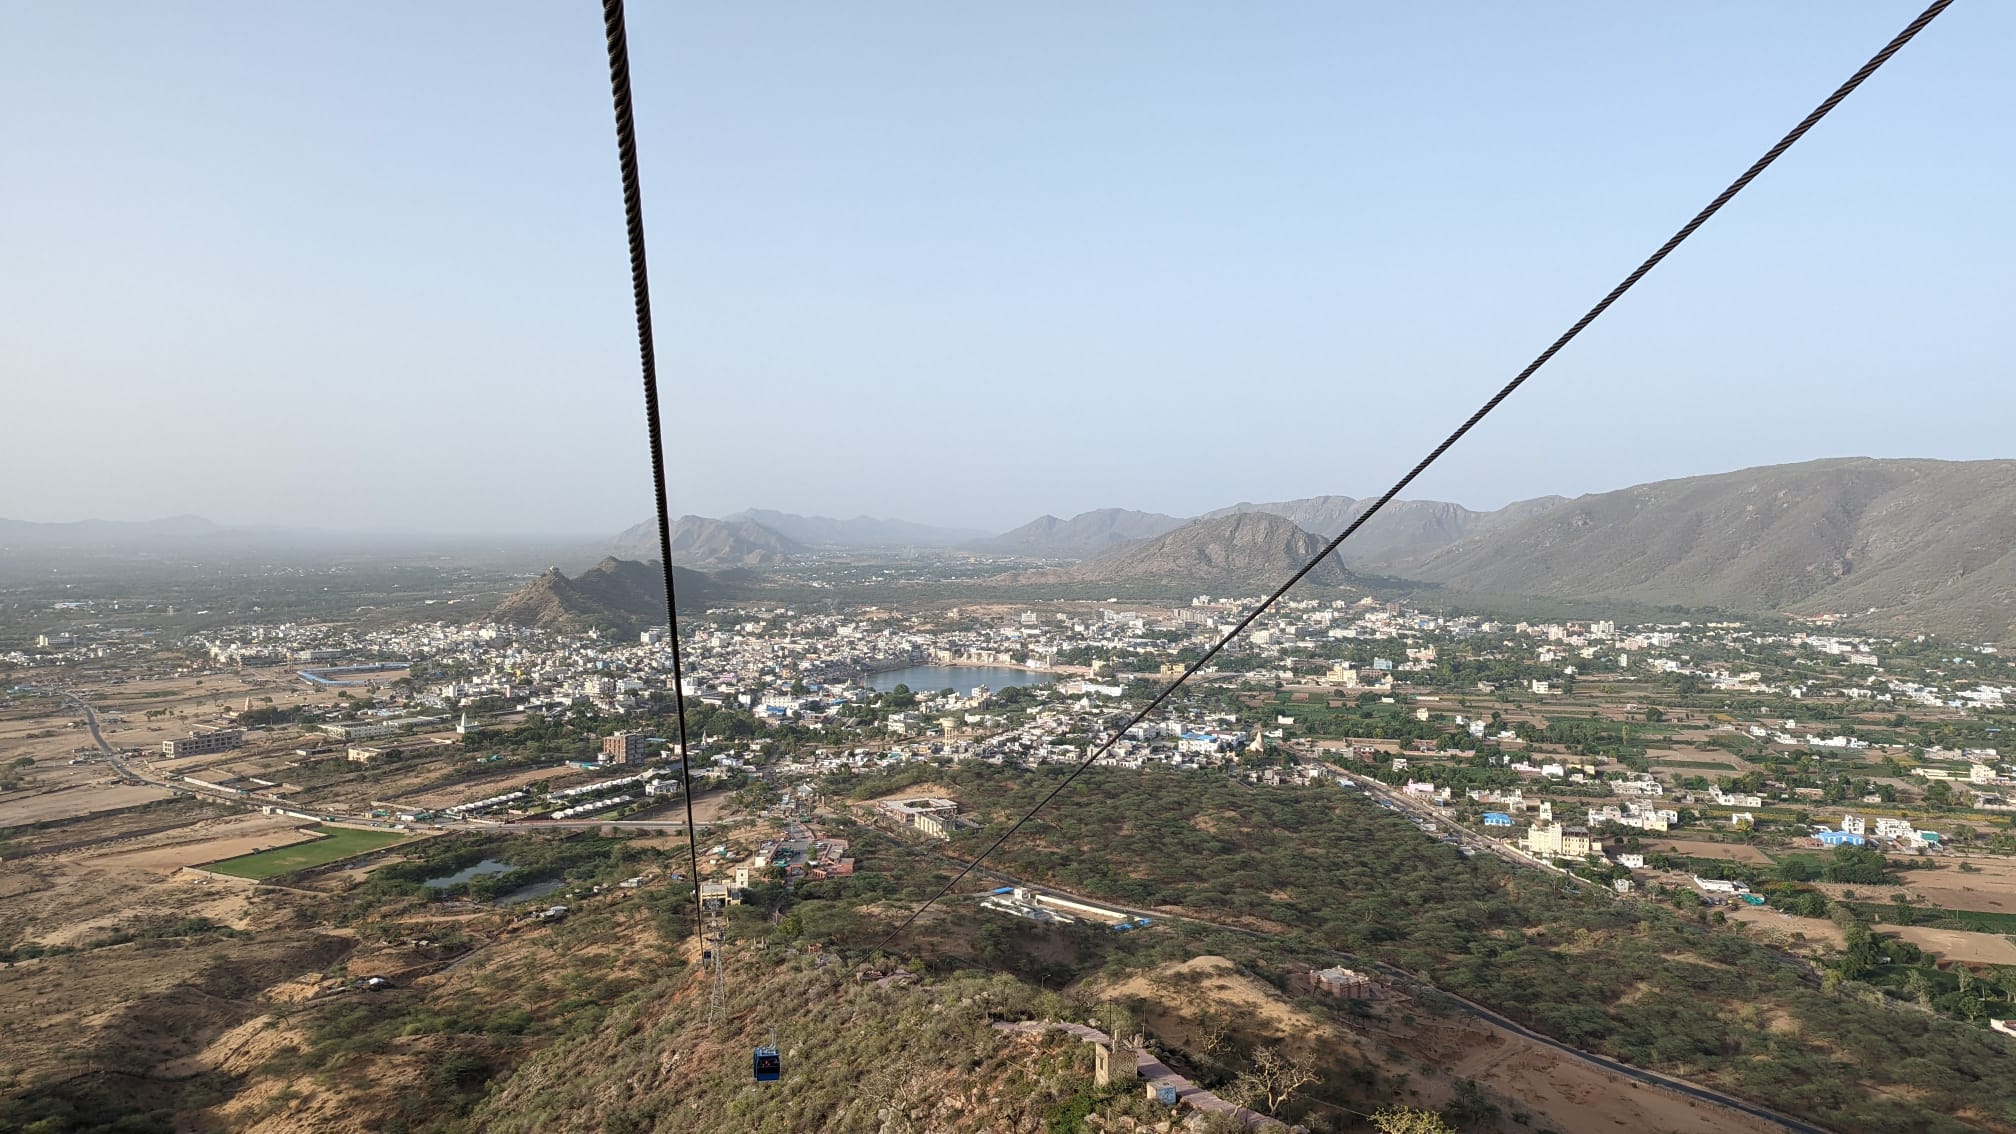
(1840, 838)
(1497, 819)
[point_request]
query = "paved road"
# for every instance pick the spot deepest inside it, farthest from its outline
(1651, 1078)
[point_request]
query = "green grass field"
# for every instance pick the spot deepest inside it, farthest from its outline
(335, 843)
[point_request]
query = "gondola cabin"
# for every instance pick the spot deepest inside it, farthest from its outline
(769, 1067)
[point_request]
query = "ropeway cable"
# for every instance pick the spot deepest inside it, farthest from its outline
(640, 284)
(1100, 749)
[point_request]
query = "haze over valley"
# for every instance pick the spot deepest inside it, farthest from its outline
(887, 658)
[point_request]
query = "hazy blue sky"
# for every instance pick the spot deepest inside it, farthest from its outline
(361, 265)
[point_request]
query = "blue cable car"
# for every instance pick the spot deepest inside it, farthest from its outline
(769, 1067)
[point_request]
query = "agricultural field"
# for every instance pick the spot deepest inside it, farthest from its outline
(336, 843)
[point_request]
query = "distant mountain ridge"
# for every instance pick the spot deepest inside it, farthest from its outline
(703, 542)
(616, 594)
(1244, 550)
(1086, 534)
(29, 533)
(1903, 545)
(861, 531)
(1404, 527)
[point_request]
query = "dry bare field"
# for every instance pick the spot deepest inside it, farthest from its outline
(1991, 888)
(1733, 852)
(483, 787)
(23, 808)
(1958, 944)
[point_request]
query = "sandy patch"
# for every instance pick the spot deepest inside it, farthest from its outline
(1778, 928)
(22, 810)
(914, 791)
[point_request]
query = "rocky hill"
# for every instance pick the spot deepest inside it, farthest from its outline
(1903, 545)
(1402, 528)
(618, 594)
(709, 544)
(1246, 550)
(857, 1057)
(1085, 534)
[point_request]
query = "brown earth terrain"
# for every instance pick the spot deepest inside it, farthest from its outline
(1964, 946)
(1430, 1054)
(24, 808)
(1734, 852)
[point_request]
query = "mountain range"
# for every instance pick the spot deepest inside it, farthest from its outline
(1081, 536)
(702, 542)
(106, 533)
(1404, 527)
(860, 532)
(1903, 545)
(615, 594)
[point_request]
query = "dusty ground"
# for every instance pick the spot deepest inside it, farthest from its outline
(1958, 944)
(22, 808)
(208, 843)
(1780, 928)
(143, 999)
(1434, 1053)
(1992, 889)
(1946, 944)
(71, 896)
(710, 806)
(918, 791)
(1734, 852)
(1573, 1095)
(486, 786)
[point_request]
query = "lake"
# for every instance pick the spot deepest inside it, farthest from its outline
(487, 866)
(932, 678)
(535, 890)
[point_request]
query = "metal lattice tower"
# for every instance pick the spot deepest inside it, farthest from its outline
(713, 938)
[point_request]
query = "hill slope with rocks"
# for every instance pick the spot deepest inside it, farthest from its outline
(1247, 550)
(618, 594)
(1904, 546)
(1402, 528)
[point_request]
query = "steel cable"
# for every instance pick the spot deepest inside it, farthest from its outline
(640, 285)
